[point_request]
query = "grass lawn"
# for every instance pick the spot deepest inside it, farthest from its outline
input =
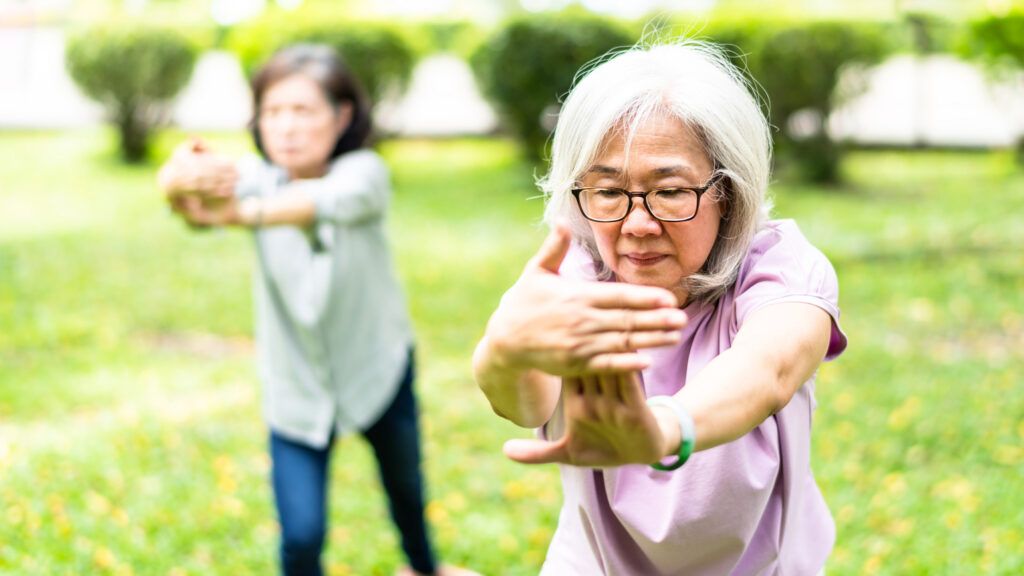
(130, 432)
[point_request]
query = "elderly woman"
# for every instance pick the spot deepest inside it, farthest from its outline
(666, 321)
(333, 334)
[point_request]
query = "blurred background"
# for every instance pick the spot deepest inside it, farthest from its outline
(130, 435)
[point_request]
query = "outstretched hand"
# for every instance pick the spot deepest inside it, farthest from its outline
(195, 170)
(569, 327)
(607, 423)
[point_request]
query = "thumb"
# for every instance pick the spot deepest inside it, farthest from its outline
(535, 451)
(551, 253)
(198, 144)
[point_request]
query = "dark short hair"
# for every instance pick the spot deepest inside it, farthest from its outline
(322, 64)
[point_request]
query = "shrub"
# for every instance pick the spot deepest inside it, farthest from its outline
(799, 67)
(999, 41)
(134, 71)
(377, 53)
(530, 62)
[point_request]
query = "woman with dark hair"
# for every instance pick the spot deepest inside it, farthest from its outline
(334, 340)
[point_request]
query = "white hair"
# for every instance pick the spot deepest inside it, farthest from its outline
(694, 82)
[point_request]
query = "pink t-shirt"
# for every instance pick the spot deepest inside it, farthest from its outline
(747, 507)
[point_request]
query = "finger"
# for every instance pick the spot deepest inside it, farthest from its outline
(574, 398)
(617, 363)
(620, 295)
(536, 451)
(552, 252)
(615, 342)
(631, 389)
(606, 405)
(601, 320)
(611, 385)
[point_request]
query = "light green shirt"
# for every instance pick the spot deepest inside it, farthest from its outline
(332, 330)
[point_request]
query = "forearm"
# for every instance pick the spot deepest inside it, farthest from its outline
(526, 397)
(733, 395)
(758, 375)
(293, 209)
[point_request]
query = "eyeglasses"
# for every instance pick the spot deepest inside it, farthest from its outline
(665, 204)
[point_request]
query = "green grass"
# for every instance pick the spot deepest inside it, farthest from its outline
(130, 431)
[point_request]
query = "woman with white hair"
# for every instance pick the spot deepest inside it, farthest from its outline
(666, 320)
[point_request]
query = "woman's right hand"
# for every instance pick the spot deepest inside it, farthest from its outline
(569, 327)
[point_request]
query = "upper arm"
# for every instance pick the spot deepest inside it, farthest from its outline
(789, 340)
(356, 189)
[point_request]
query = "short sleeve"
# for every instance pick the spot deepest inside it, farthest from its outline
(356, 189)
(783, 267)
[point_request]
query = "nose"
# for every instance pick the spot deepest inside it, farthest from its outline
(639, 221)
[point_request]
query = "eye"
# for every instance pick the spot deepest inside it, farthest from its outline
(607, 192)
(672, 193)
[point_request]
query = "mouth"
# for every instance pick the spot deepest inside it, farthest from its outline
(643, 259)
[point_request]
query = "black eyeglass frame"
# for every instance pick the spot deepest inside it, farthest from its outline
(698, 190)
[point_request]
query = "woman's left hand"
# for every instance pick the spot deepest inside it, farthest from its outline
(204, 212)
(607, 423)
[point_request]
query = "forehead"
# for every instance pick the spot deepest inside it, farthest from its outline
(660, 144)
(296, 87)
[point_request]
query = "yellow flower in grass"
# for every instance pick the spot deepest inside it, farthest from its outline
(97, 503)
(103, 558)
(514, 490)
(339, 569)
(15, 514)
(905, 414)
(436, 513)
(959, 491)
(455, 501)
(1008, 455)
(894, 483)
(843, 403)
(508, 543)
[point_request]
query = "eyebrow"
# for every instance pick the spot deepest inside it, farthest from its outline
(672, 170)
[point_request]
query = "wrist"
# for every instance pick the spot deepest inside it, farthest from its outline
(250, 212)
(671, 433)
(684, 426)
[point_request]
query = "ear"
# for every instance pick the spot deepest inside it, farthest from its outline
(344, 117)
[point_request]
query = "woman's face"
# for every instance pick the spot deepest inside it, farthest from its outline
(664, 153)
(299, 127)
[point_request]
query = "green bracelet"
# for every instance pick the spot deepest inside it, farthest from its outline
(687, 432)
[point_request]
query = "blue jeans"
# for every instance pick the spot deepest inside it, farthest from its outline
(300, 487)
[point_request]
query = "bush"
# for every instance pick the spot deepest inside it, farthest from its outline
(134, 71)
(529, 64)
(799, 67)
(998, 39)
(378, 54)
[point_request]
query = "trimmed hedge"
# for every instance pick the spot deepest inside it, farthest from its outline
(378, 54)
(798, 65)
(528, 65)
(134, 70)
(999, 39)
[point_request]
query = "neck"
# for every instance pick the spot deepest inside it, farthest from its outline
(306, 173)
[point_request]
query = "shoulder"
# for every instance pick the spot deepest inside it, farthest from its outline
(781, 250)
(363, 161)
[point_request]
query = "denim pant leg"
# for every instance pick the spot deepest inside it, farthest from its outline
(300, 490)
(395, 439)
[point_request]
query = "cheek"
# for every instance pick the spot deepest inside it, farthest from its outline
(606, 236)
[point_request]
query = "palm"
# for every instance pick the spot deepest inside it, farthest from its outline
(607, 423)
